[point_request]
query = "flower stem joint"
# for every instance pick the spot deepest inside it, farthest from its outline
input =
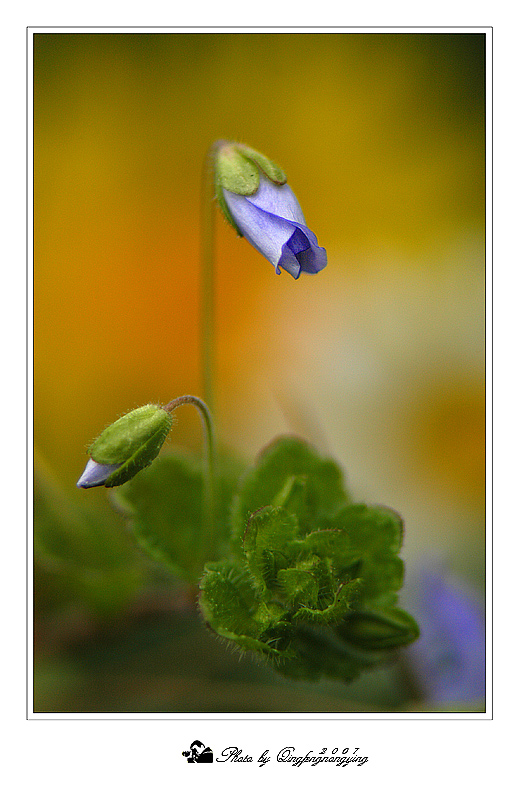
(254, 197)
(127, 446)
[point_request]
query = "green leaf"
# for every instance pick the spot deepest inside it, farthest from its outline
(334, 611)
(291, 474)
(293, 496)
(165, 505)
(266, 543)
(376, 529)
(232, 609)
(335, 545)
(229, 602)
(298, 585)
(376, 533)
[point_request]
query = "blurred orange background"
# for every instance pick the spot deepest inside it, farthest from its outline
(379, 359)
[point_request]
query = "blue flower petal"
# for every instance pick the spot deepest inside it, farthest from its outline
(302, 254)
(272, 221)
(278, 200)
(96, 474)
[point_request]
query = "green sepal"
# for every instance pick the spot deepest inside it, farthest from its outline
(235, 172)
(224, 208)
(236, 168)
(133, 441)
(269, 167)
(141, 459)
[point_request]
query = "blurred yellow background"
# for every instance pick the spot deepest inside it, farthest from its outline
(379, 358)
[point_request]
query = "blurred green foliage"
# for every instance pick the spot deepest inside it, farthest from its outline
(81, 555)
(291, 586)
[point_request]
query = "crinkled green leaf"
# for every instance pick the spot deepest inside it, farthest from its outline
(376, 533)
(271, 562)
(229, 602)
(293, 497)
(374, 529)
(232, 609)
(336, 546)
(334, 611)
(291, 474)
(266, 543)
(312, 583)
(298, 585)
(249, 643)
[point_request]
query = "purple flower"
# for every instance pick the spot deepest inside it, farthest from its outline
(254, 197)
(272, 221)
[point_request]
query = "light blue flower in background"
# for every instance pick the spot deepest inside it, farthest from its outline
(448, 660)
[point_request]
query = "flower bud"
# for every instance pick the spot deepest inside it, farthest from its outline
(377, 630)
(254, 197)
(125, 447)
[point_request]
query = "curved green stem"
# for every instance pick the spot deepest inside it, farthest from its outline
(207, 420)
